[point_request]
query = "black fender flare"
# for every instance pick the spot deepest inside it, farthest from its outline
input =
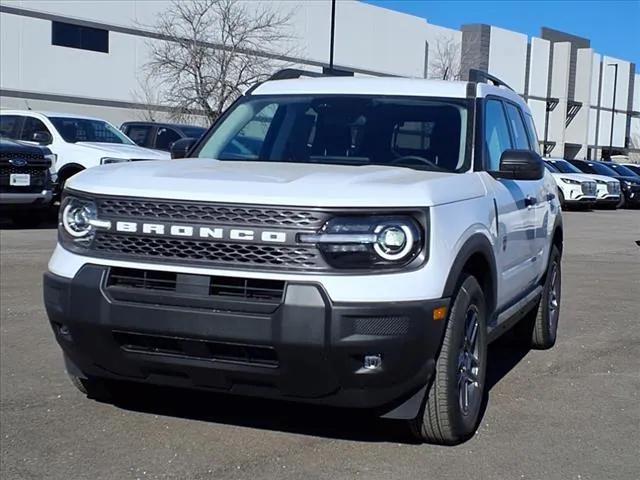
(476, 243)
(70, 166)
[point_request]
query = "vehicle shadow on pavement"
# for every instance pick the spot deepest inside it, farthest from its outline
(304, 419)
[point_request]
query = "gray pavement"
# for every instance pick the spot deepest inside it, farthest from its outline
(569, 413)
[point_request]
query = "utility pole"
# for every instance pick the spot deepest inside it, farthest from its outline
(333, 32)
(613, 105)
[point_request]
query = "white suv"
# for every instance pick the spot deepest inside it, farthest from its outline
(78, 142)
(575, 190)
(346, 241)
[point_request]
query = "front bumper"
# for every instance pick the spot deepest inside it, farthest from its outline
(29, 200)
(632, 196)
(306, 348)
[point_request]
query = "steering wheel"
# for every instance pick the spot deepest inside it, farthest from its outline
(415, 158)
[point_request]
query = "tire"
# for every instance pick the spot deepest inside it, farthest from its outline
(563, 205)
(623, 201)
(446, 417)
(93, 388)
(538, 329)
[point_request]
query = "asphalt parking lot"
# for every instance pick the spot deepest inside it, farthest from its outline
(569, 413)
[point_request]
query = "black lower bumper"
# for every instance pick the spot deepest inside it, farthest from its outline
(305, 348)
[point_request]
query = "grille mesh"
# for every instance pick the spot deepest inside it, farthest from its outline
(588, 188)
(385, 326)
(204, 213)
(26, 156)
(613, 187)
(210, 252)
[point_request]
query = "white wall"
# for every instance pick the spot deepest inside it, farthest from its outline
(539, 67)
(559, 90)
(508, 57)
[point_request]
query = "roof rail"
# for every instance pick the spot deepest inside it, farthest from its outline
(480, 76)
(289, 73)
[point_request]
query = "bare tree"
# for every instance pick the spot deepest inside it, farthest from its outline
(446, 59)
(212, 50)
(148, 95)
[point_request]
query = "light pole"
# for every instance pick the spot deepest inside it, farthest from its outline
(613, 105)
(333, 32)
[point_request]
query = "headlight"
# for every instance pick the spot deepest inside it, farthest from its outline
(368, 241)
(109, 160)
(78, 221)
(570, 181)
(53, 158)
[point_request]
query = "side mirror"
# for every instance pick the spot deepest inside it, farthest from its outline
(520, 165)
(43, 138)
(181, 148)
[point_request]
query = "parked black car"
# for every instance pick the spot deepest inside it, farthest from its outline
(25, 181)
(159, 136)
(629, 181)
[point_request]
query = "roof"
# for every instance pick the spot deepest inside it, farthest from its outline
(382, 86)
(49, 114)
(364, 86)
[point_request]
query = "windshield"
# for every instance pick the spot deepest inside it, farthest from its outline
(564, 166)
(87, 130)
(599, 169)
(622, 170)
(350, 130)
(551, 168)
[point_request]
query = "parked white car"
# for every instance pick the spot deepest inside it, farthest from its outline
(574, 189)
(78, 142)
(608, 189)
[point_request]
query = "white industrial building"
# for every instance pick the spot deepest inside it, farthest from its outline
(568, 85)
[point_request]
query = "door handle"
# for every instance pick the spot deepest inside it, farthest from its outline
(530, 201)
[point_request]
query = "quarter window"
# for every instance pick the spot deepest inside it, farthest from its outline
(496, 134)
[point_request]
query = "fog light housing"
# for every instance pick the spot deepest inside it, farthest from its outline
(372, 362)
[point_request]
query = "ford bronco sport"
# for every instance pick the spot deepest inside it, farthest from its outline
(352, 242)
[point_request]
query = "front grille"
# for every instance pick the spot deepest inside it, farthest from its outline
(589, 188)
(205, 213)
(211, 286)
(257, 355)
(207, 252)
(38, 180)
(26, 156)
(613, 188)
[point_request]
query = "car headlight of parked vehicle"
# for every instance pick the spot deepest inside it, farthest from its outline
(368, 241)
(109, 160)
(570, 181)
(78, 221)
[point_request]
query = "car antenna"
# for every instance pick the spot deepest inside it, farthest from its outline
(27, 103)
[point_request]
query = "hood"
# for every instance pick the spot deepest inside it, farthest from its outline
(121, 150)
(634, 180)
(12, 146)
(273, 183)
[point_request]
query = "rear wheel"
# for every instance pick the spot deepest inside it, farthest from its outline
(539, 328)
(563, 205)
(452, 407)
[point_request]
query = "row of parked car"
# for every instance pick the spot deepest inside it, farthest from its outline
(590, 183)
(40, 151)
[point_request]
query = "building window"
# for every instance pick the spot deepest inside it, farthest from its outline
(76, 36)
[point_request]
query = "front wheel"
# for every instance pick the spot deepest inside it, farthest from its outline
(451, 411)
